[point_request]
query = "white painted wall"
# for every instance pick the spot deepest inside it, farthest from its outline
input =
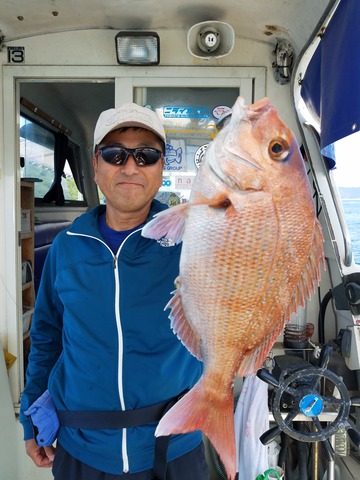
(97, 47)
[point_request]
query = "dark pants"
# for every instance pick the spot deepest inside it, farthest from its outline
(191, 466)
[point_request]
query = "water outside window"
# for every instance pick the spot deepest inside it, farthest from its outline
(347, 177)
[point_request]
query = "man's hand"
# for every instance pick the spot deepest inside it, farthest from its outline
(41, 456)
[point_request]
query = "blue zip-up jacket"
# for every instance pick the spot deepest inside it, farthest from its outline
(101, 341)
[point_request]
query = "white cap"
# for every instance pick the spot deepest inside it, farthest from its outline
(128, 115)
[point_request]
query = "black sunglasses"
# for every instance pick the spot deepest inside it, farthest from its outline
(143, 156)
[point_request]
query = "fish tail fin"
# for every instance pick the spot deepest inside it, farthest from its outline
(169, 223)
(197, 410)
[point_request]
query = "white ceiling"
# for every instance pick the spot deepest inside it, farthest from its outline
(253, 19)
(258, 20)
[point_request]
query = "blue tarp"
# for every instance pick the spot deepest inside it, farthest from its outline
(331, 84)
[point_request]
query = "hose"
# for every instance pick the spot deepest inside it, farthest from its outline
(302, 456)
(321, 318)
(296, 465)
(284, 447)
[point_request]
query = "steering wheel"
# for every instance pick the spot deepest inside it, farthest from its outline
(302, 391)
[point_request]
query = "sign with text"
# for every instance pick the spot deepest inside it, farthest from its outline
(16, 54)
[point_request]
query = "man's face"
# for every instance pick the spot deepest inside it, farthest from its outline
(129, 189)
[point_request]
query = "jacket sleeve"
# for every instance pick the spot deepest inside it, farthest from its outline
(46, 340)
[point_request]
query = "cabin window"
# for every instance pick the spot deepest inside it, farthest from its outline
(38, 162)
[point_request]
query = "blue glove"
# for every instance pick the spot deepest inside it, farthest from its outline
(44, 419)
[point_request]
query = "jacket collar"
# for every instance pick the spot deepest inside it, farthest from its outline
(87, 224)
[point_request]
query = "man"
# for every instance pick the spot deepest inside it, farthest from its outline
(102, 348)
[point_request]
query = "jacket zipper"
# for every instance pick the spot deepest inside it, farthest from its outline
(120, 362)
(120, 339)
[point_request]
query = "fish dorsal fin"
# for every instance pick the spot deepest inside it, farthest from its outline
(181, 326)
(169, 223)
(309, 279)
(254, 358)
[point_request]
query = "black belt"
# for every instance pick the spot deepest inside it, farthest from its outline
(125, 419)
(112, 420)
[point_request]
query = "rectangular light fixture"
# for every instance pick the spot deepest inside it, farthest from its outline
(137, 48)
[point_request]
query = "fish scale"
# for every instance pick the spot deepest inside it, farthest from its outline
(251, 254)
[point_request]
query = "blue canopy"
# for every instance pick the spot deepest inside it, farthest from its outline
(331, 84)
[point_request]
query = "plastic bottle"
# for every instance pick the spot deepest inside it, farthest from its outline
(273, 454)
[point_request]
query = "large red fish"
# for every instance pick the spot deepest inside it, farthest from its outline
(252, 252)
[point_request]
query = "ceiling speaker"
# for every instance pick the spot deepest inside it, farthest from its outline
(210, 39)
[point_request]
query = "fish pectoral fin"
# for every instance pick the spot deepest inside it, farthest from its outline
(181, 326)
(169, 223)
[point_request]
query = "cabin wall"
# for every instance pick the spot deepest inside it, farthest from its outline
(97, 47)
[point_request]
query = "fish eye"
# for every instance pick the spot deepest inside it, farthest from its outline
(278, 149)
